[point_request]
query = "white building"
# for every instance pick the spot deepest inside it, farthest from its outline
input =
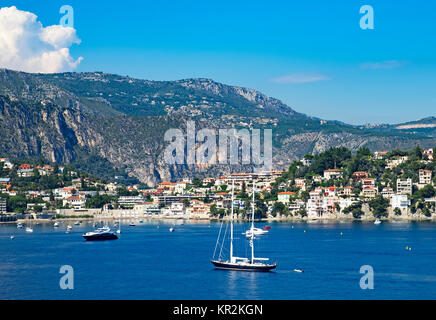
(25, 173)
(314, 205)
(177, 209)
(400, 201)
(429, 153)
(6, 163)
(333, 174)
(147, 208)
(424, 177)
(404, 186)
(392, 163)
(130, 200)
(387, 192)
(180, 187)
(76, 202)
(285, 197)
(62, 193)
(3, 205)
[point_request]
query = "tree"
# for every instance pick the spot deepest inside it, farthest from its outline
(355, 209)
(197, 182)
(186, 203)
(302, 212)
(427, 192)
(279, 208)
(379, 206)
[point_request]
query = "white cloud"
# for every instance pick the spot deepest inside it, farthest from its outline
(26, 45)
(300, 78)
(390, 64)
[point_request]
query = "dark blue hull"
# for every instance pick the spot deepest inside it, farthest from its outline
(101, 237)
(245, 267)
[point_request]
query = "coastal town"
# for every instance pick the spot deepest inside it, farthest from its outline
(332, 185)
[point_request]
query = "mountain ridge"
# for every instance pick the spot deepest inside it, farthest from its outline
(123, 120)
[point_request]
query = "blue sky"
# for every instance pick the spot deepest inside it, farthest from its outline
(310, 54)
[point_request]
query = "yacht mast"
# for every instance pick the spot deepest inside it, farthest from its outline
(252, 228)
(231, 224)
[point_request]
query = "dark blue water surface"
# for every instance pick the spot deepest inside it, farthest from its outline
(148, 262)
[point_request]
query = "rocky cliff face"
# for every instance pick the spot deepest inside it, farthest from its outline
(122, 121)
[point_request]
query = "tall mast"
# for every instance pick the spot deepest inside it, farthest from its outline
(231, 224)
(252, 228)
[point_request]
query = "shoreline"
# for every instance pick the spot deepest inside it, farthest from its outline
(211, 219)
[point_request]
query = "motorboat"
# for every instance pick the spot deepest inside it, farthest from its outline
(100, 234)
(298, 270)
(29, 229)
(377, 221)
(255, 231)
(20, 225)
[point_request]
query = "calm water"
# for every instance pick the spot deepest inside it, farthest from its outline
(148, 262)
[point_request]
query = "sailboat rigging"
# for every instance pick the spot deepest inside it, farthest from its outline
(242, 263)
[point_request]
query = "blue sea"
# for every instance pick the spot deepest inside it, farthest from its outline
(149, 262)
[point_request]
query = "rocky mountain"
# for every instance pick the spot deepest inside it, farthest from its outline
(109, 123)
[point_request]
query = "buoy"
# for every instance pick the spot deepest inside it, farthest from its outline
(341, 233)
(407, 248)
(304, 230)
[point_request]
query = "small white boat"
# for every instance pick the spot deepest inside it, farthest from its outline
(56, 224)
(171, 229)
(29, 229)
(377, 221)
(77, 223)
(20, 225)
(69, 227)
(255, 231)
(298, 270)
(12, 237)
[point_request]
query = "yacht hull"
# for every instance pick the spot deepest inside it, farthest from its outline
(243, 267)
(100, 237)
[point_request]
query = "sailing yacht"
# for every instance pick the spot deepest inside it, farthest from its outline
(242, 263)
